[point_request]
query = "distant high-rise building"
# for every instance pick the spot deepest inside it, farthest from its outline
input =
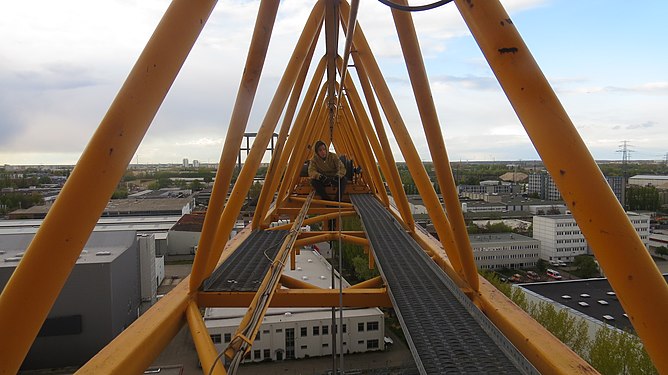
(195, 163)
(185, 163)
(618, 186)
(543, 185)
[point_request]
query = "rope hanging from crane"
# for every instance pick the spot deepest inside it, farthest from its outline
(414, 8)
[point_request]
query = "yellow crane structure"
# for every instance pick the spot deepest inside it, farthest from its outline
(352, 115)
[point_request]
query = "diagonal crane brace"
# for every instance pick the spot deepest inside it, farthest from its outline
(250, 324)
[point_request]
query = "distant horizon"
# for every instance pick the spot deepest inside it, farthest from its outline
(516, 161)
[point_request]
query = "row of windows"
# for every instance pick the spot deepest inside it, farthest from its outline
(316, 331)
(509, 256)
(507, 265)
(565, 249)
(572, 224)
(506, 248)
(573, 240)
(570, 232)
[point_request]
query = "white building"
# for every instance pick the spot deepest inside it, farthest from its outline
(561, 238)
(504, 250)
(648, 180)
(301, 332)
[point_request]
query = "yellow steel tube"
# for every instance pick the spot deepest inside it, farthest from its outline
(245, 178)
(275, 170)
(376, 282)
(411, 156)
(316, 131)
(298, 130)
(432, 129)
(368, 161)
(631, 271)
(296, 159)
(54, 250)
(362, 119)
(206, 351)
(293, 283)
(393, 179)
(294, 298)
(320, 201)
(257, 51)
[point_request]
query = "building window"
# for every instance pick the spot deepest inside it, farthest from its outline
(325, 345)
(372, 344)
(256, 354)
(372, 326)
(258, 336)
(267, 353)
(280, 330)
(216, 339)
(265, 331)
(360, 327)
(360, 341)
(304, 331)
(345, 328)
(325, 330)
(304, 347)
(316, 330)
(228, 337)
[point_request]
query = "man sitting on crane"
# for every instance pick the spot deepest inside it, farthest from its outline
(326, 169)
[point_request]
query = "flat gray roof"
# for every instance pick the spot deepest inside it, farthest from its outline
(102, 247)
(597, 289)
(497, 237)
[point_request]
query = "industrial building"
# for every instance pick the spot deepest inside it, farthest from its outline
(504, 250)
(561, 238)
(102, 296)
(123, 207)
(592, 300)
(302, 332)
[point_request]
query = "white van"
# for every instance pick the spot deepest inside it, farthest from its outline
(553, 274)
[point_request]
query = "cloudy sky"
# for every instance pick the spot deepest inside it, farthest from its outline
(62, 62)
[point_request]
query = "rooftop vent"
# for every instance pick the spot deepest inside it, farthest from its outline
(626, 316)
(12, 259)
(288, 313)
(322, 277)
(583, 304)
(566, 296)
(603, 302)
(299, 268)
(304, 277)
(103, 253)
(2, 252)
(84, 251)
(608, 317)
(19, 255)
(309, 260)
(610, 293)
(585, 295)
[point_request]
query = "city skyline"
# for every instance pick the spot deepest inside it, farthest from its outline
(61, 65)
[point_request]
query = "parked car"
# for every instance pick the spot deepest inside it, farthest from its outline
(532, 275)
(516, 278)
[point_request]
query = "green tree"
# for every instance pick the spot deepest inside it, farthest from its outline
(585, 266)
(541, 265)
(614, 352)
(196, 185)
(662, 250)
(642, 198)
